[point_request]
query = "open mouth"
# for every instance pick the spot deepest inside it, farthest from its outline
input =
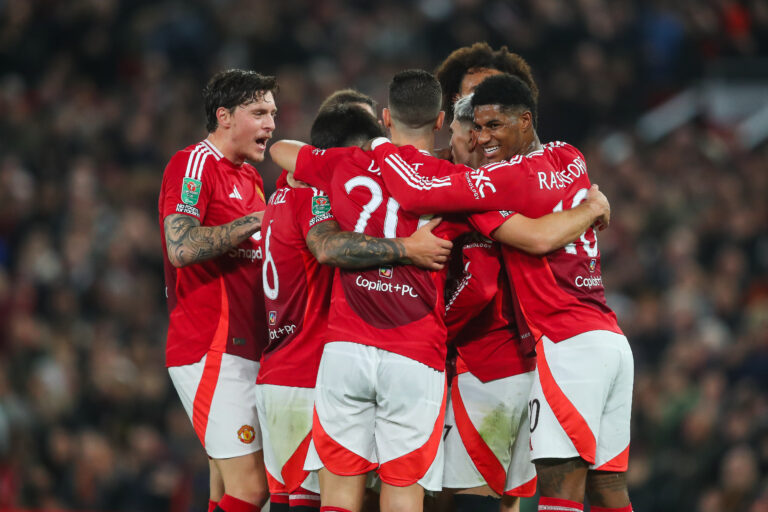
(261, 143)
(491, 150)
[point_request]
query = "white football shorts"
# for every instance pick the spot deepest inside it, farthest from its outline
(487, 435)
(581, 400)
(285, 414)
(377, 410)
(219, 394)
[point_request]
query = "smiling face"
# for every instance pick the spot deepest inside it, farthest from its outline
(502, 134)
(250, 127)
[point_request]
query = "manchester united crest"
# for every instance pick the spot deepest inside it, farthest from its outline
(246, 434)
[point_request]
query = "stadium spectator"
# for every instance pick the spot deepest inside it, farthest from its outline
(97, 95)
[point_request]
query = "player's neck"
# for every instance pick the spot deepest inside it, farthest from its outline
(424, 142)
(535, 144)
(223, 144)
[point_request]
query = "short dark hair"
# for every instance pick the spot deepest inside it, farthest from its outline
(507, 91)
(343, 125)
(414, 98)
(479, 56)
(346, 96)
(232, 88)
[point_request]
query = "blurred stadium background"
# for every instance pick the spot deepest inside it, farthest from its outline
(667, 99)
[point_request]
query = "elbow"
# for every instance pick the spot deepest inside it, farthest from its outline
(324, 258)
(540, 246)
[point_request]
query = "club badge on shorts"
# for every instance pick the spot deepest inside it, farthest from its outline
(320, 205)
(246, 434)
(190, 191)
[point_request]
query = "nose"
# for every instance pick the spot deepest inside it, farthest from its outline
(484, 136)
(269, 123)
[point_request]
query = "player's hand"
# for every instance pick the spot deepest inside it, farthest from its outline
(425, 250)
(601, 206)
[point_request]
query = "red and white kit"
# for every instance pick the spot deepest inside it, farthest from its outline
(487, 433)
(216, 331)
(561, 294)
(388, 339)
(297, 291)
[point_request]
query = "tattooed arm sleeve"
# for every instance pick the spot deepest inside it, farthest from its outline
(346, 249)
(188, 242)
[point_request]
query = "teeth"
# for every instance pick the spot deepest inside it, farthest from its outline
(491, 150)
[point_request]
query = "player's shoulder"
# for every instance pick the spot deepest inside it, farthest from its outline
(194, 160)
(560, 147)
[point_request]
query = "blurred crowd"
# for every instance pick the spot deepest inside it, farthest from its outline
(96, 95)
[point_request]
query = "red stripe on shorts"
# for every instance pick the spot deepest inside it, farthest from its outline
(618, 463)
(411, 467)
(482, 456)
(276, 488)
(201, 406)
(293, 470)
(526, 490)
(336, 458)
(566, 413)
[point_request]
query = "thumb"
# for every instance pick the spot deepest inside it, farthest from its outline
(595, 186)
(432, 224)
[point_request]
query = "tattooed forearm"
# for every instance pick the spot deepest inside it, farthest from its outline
(188, 242)
(346, 249)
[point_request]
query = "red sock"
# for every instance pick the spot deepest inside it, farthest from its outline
(212, 505)
(559, 505)
(333, 509)
(628, 508)
(231, 504)
(280, 497)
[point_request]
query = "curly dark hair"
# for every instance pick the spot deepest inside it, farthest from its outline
(232, 88)
(479, 56)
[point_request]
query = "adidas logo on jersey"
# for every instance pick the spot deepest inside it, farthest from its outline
(235, 194)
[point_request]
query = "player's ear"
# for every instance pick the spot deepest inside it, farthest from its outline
(386, 118)
(440, 120)
(224, 117)
(526, 121)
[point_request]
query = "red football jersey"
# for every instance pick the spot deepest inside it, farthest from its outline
(397, 308)
(215, 304)
(297, 289)
(561, 294)
(491, 338)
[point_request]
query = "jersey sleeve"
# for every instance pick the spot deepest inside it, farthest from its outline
(187, 185)
(487, 222)
(315, 166)
(312, 208)
(260, 188)
(477, 287)
(452, 187)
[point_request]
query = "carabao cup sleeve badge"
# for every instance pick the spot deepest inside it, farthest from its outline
(190, 191)
(320, 205)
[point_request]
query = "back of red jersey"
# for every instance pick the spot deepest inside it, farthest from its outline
(561, 293)
(215, 304)
(397, 308)
(491, 338)
(297, 289)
